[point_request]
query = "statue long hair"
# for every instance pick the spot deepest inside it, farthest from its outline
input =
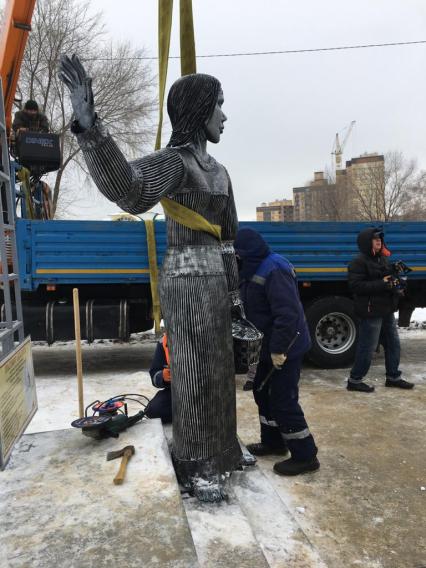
(190, 103)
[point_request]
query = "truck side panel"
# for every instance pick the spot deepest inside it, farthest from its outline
(85, 252)
(102, 252)
(322, 250)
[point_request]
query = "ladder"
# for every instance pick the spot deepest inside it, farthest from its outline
(11, 330)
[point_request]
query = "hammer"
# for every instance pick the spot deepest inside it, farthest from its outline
(126, 453)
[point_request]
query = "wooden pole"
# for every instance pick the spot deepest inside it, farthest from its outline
(78, 358)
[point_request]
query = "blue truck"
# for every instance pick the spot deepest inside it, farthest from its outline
(108, 262)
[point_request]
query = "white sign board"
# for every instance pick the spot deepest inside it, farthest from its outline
(18, 399)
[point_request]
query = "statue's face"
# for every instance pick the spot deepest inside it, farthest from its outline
(214, 126)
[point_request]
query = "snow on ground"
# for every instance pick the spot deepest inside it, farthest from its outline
(371, 472)
(111, 368)
(108, 370)
(419, 314)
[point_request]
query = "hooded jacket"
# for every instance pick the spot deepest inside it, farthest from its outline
(268, 288)
(373, 297)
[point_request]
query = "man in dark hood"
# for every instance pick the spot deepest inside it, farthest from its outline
(268, 288)
(375, 298)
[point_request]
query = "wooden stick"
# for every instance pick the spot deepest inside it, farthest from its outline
(78, 358)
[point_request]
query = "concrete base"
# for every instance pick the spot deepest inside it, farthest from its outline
(59, 507)
(253, 528)
(278, 533)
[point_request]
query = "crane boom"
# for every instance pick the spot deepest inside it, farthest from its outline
(14, 35)
(339, 147)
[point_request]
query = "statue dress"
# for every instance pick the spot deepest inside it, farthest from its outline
(198, 279)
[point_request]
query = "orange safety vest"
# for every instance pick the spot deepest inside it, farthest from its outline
(166, 350)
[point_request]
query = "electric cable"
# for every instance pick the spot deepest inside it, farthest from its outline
(272, 52)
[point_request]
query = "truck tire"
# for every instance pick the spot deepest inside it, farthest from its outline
(334, 332)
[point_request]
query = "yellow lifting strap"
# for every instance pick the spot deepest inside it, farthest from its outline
(165, 15)
(186, 217)
(153, 272)
(189, 218)
(188, 63)
(24, 178)
(187, 48)
(174, 210)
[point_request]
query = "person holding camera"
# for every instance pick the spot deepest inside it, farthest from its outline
(376, 296)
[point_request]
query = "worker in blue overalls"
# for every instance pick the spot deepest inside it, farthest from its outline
(272, 303)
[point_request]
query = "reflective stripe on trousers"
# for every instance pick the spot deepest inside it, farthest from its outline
(296, 435)
(286, 435)
(267, 422)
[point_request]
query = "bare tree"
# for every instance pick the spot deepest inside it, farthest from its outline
(122, 81)
(384, 190)
(414, 208)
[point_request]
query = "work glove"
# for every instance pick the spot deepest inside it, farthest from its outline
(278, 359)
(167, 377)
(73, 74)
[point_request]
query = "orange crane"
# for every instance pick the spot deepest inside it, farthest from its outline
(14, 35)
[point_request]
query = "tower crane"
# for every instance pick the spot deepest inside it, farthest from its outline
(339, 146)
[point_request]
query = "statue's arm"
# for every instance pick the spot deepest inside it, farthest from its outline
(135, 186)
(229, 231)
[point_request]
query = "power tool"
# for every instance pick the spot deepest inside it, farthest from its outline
(110, 417)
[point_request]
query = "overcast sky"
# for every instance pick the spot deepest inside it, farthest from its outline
(284, 110)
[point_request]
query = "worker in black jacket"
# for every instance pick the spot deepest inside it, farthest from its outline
(376, 299)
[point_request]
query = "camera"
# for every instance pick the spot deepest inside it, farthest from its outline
(399, 273)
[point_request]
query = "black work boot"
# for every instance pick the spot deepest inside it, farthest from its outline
(294, 467)
(399, 383)
(360, 387)
(261, 449)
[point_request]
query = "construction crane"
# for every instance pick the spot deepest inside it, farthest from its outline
(339, 147)
(14, 35)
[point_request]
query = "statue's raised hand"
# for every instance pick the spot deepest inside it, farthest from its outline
(74, 75)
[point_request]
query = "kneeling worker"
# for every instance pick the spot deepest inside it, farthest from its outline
(161, 405)
(268, 288)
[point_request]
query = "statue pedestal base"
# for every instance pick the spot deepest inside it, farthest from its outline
(59, 506)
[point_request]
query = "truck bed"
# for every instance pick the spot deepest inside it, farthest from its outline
(104, 252)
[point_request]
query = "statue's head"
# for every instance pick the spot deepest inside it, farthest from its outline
(194, 105)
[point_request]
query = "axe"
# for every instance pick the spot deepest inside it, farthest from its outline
(126, 453)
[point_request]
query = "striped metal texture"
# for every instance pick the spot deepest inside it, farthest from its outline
(194, 300)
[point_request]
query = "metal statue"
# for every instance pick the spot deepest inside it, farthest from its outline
(199, 277)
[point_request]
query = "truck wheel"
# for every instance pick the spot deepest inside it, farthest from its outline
(334, 332)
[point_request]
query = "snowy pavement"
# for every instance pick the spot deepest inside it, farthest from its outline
(364, 508)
